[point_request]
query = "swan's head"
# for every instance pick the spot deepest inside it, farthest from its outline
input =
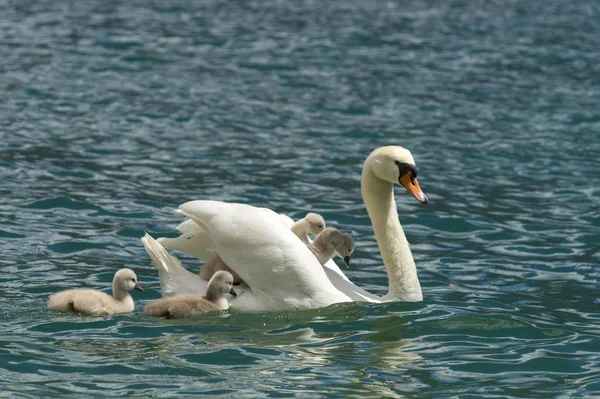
(220, 284)
(315, 223)
(127, 280)
(396, 165)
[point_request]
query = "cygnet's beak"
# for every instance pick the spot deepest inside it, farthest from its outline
(138, 287)
(412, 185)
(347, 260)
(232, 292)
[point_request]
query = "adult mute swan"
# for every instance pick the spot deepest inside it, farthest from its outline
(280, 270)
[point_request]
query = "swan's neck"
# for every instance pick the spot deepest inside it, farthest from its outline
(378, 196)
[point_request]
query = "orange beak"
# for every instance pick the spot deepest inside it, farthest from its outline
(412, 185)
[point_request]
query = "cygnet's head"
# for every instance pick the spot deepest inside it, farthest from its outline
(315, 223)
(220, 284)
(342, 244)
(396, 165)
(127, 280)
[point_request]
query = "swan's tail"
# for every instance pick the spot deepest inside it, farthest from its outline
(174, 278)
(160, 258)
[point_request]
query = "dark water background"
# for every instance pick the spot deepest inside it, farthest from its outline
(112, 113)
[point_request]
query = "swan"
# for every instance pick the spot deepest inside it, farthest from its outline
(280, 271)
(94, 302)
(186, 305)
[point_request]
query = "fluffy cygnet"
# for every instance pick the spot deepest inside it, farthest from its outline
(332, 242)
(185, 305)
(94, 302)
(312, 223)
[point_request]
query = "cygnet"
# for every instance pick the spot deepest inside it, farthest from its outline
(186, 305)
(332, 242)
(312, 223)
(94, 302)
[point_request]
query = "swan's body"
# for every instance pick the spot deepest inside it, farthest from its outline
(93, 302)
(281, 272)
(186, 305)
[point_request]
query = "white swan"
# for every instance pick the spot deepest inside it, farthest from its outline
(280, 270)
(258, 246)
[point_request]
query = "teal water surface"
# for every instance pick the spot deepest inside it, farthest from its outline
(114, 112)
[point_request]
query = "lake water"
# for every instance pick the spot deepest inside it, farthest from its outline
(114, 112)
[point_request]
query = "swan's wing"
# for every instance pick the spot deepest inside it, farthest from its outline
(195, 242)
(255, 243)
(198, 245)
(343, 284)
(334, 268)
(174, 278)
(188, 227)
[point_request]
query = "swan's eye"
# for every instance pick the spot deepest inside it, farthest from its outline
(406, 168)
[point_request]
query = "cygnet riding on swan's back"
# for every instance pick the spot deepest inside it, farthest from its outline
(332, 242)
(186, 305)
(280, 270)
(312, 223)
(87, 301)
